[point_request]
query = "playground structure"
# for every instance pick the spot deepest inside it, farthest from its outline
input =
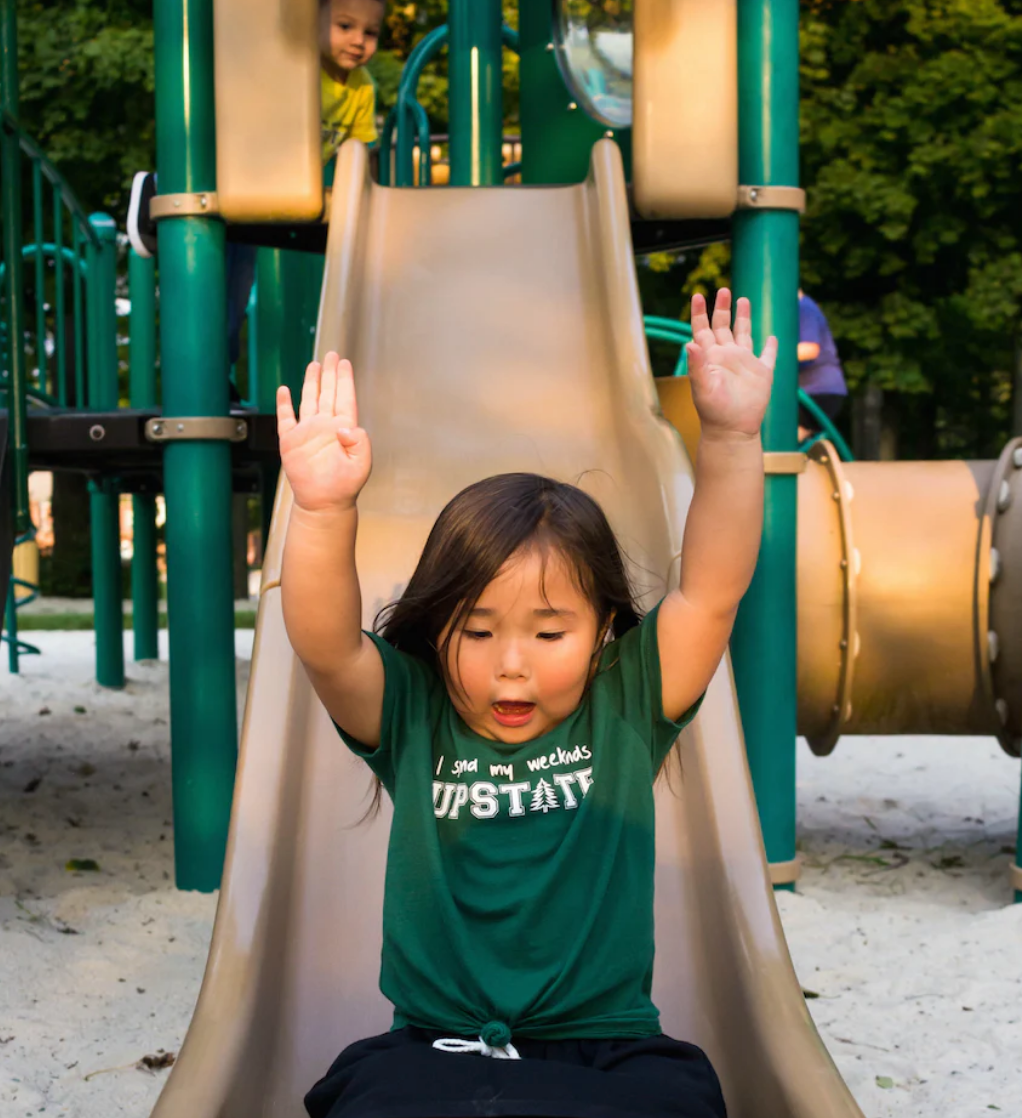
(548, 276)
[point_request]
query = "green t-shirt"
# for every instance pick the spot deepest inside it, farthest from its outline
(519, 883)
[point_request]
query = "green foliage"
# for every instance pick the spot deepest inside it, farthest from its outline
(86, 92)
(911, 137)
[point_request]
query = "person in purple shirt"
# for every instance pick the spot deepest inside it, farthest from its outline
(819, 367)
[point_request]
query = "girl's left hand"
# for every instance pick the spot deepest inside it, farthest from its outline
(730, 384)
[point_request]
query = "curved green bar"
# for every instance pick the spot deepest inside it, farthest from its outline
(45, 250)
(682, 329)
(407, 103)
(827, 428)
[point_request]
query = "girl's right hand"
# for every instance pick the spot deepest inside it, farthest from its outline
(325, 454)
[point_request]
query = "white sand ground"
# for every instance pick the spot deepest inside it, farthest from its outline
(902, 925)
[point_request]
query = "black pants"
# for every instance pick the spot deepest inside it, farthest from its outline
(400, 1075)
(830, 403)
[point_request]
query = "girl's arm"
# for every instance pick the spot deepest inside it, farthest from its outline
(326, 457)
(731, 389)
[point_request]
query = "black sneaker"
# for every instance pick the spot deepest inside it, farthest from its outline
(141, 227)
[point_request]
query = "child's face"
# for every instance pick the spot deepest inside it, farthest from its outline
(519, 665)
(349, 31)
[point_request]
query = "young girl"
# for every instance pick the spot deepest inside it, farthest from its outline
(517, 711)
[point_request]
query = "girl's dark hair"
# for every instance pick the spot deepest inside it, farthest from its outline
(475, 535)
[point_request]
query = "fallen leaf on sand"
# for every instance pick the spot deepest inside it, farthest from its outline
(82, 865)
(156, 1062)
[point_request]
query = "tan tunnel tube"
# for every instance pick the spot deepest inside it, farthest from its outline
(909, 593)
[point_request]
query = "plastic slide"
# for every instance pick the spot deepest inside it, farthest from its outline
(490, 330)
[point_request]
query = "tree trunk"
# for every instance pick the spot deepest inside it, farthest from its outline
(1016, 410)
(70, 574)
(867, 412)
(890, 424)
(70, 567)
(239, 536)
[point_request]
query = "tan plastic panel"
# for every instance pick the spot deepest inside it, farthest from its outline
(490, 330)
(685, 108)
(675, 396)
(266, 55)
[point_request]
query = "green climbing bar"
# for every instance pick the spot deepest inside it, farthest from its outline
(103, 496)
(144, 580)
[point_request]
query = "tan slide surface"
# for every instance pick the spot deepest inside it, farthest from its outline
(490, 330)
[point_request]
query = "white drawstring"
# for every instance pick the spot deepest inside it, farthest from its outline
(457, 1045)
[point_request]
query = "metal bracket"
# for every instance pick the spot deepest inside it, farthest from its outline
(203, 203)
(772, 198)
(225, 428)
(785, 873)
(784, 462)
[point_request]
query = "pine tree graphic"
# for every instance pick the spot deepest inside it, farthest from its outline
(544, 797)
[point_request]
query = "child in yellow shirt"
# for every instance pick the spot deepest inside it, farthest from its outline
(349, 33)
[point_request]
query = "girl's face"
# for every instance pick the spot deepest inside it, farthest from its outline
(520, 662)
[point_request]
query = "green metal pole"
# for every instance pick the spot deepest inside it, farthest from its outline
(10, 201)
(103, 496)
(144, 582)
(475, 75)
(766, 270)
(197, 475)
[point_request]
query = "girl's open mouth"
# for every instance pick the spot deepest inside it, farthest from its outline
(512, 714)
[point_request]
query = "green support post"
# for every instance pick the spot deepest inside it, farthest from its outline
(476, 75)
(144, 580)
(766, 270)
(197, 474)
(103, 496)
(289, 285)
(10, 199)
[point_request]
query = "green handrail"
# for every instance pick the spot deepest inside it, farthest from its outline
(49, 385)
(671, 330)
(408, 106)
(827, 428)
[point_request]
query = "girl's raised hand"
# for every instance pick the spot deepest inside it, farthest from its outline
(325, 454)
(730, 384)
